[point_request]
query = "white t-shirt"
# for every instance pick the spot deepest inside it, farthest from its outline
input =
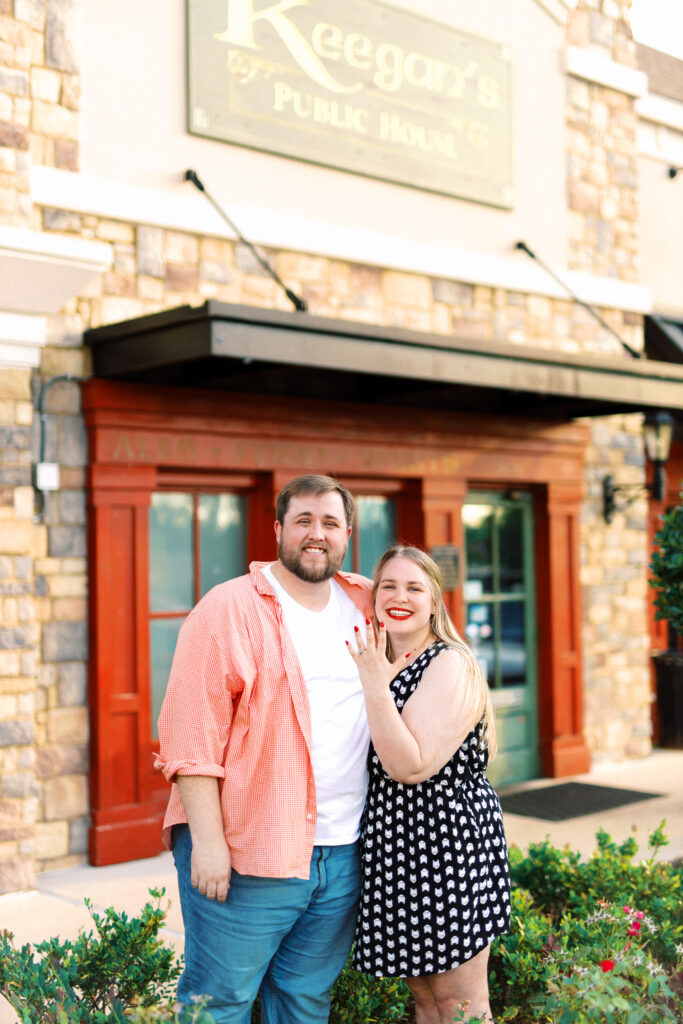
(338, 721)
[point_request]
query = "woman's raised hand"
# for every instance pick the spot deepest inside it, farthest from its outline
(370, 656)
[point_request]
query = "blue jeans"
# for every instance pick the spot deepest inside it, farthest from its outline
(285, 938)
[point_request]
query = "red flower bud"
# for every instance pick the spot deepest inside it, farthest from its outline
(607, 965)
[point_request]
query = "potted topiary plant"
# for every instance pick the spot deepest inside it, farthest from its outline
(667, 578)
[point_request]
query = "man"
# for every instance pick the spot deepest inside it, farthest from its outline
(264, 735)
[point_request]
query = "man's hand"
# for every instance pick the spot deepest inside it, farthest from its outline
(211, 869)
(210, 865)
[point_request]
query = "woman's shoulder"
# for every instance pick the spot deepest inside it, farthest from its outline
(444, 658)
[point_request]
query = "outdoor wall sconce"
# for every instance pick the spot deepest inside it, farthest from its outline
(657, 435)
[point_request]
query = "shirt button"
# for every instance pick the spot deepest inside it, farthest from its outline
(310, 817)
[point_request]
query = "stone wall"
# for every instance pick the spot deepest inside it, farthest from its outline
(614, 559)
(20, 544)
(602, 174)
(39, 96)
(602, 197)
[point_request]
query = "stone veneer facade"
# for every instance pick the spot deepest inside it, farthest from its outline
(43, 572)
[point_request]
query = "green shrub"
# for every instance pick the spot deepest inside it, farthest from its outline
(360, 999)
(591, 941)
(98, 977)
(561, 883)
(667, 569)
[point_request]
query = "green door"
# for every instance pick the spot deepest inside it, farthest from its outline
(500, 622)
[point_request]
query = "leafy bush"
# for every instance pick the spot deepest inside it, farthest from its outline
(667, 569)
(98, 977)
(561, 883)
(591, 941)
(359, 999)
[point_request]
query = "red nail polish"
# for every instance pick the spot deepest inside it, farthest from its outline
(367, 622)
(381, 625)
(356, 629)
(408, 654)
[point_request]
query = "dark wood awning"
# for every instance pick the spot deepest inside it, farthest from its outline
(268, 352)
(664, 338)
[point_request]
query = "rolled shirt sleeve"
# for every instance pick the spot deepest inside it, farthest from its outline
(196, 713)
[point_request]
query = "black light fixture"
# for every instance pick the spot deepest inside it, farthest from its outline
(657, 435)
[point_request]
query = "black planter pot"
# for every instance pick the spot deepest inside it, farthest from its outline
(669, 673)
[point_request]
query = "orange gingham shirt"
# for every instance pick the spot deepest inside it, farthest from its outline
(236, 708)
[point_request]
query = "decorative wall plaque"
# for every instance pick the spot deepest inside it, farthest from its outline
(447, 557)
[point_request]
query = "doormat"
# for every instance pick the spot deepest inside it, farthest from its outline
(569, 800)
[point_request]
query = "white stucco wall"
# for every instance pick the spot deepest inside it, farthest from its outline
(661, 230)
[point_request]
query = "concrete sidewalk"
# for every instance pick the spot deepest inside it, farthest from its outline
(56, 906)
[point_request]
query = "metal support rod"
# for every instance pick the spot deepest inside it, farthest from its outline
(299, 304)
(523, 247)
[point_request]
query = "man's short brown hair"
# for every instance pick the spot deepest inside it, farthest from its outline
(313, 484)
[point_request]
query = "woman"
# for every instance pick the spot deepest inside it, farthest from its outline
(436, 880)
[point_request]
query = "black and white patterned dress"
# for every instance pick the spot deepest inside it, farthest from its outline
(436, 886)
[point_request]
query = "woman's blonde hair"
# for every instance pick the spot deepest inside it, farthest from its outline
(477, 687)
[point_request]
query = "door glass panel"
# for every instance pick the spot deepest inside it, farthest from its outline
(195, 542)
(512, 644)
(171, 561)
(223, 538)
(162, 640)
(480, 636)
(375, 530)
(479, 544)
(511, 537)
(499, 595)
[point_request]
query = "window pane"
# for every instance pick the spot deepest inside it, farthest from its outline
(171, 562)
(163, 638)
(377, 530)
(480, 633)
(478, 521)
(511, 539)
(512, 643)
(223, 538)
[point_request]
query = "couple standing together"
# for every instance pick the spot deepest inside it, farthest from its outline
(281, 682)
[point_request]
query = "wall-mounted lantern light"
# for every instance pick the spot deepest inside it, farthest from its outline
(657, 434)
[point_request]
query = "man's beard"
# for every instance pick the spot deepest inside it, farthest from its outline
(291, 560)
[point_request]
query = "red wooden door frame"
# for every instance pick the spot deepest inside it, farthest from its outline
(141, 436)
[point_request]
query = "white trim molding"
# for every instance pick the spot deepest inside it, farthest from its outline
(40, 272)
(182, 209)
(592, 67)
(660, 110)
(21, 339)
